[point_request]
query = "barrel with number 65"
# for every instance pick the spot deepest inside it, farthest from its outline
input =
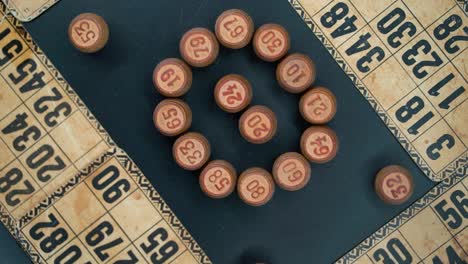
(172, 117)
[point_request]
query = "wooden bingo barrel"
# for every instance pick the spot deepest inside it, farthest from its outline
(218, 179)
(318, 105)
(234, 28)
(291, 171)
(172, 117)
(271, 42)
(255, 186)
(258, 124)
(296, 73)
(319, 144)
(394, 184)
(88, 32)
(172, 77)
(233, 93)
(191, 151)
(199, 47)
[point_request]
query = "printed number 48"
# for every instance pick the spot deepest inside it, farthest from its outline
(336, 13)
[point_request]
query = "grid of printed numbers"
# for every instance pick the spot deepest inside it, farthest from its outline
(27, 10)
(44, 137)
(105, 218)
(411, 57)
(438, 234)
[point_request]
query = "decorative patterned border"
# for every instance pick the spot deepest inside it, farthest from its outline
(452, 174)
(5, 217)
(403, 217)
(14, 227)
(143, 183)
(57, 75)
(451, 169)
(20, 16)
(42, 206)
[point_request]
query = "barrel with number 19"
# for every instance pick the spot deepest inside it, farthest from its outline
(172, 77)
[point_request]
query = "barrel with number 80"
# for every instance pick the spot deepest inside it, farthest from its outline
(255, 186)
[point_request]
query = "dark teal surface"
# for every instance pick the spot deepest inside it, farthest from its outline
(318, 224)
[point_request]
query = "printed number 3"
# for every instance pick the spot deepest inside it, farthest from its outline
(433, 151)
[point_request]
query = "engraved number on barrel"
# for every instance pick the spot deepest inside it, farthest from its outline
(321, 106)
(338, 12)
(411, 108)
(319, 148)
(295, 71)
(160, 247)
(255, 189)
(219, 182)
(83, 30)
(395, 22)
(108, 180)
(444, 30)
(14, 177)
(259, 127)
(166, 77)
(172, 121)
(188, 147)
(454, 211)
(234, 30)
(232, 96)
(293, 172)
(95, 238)
(272, 41)
(49, 234)
(394, 253)
(396, 186)
(411, 57)
(197, 43)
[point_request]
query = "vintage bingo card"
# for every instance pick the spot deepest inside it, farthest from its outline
(408, 58)
(434, 230)
(46, 133)
(109, 213)
(27, 10)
